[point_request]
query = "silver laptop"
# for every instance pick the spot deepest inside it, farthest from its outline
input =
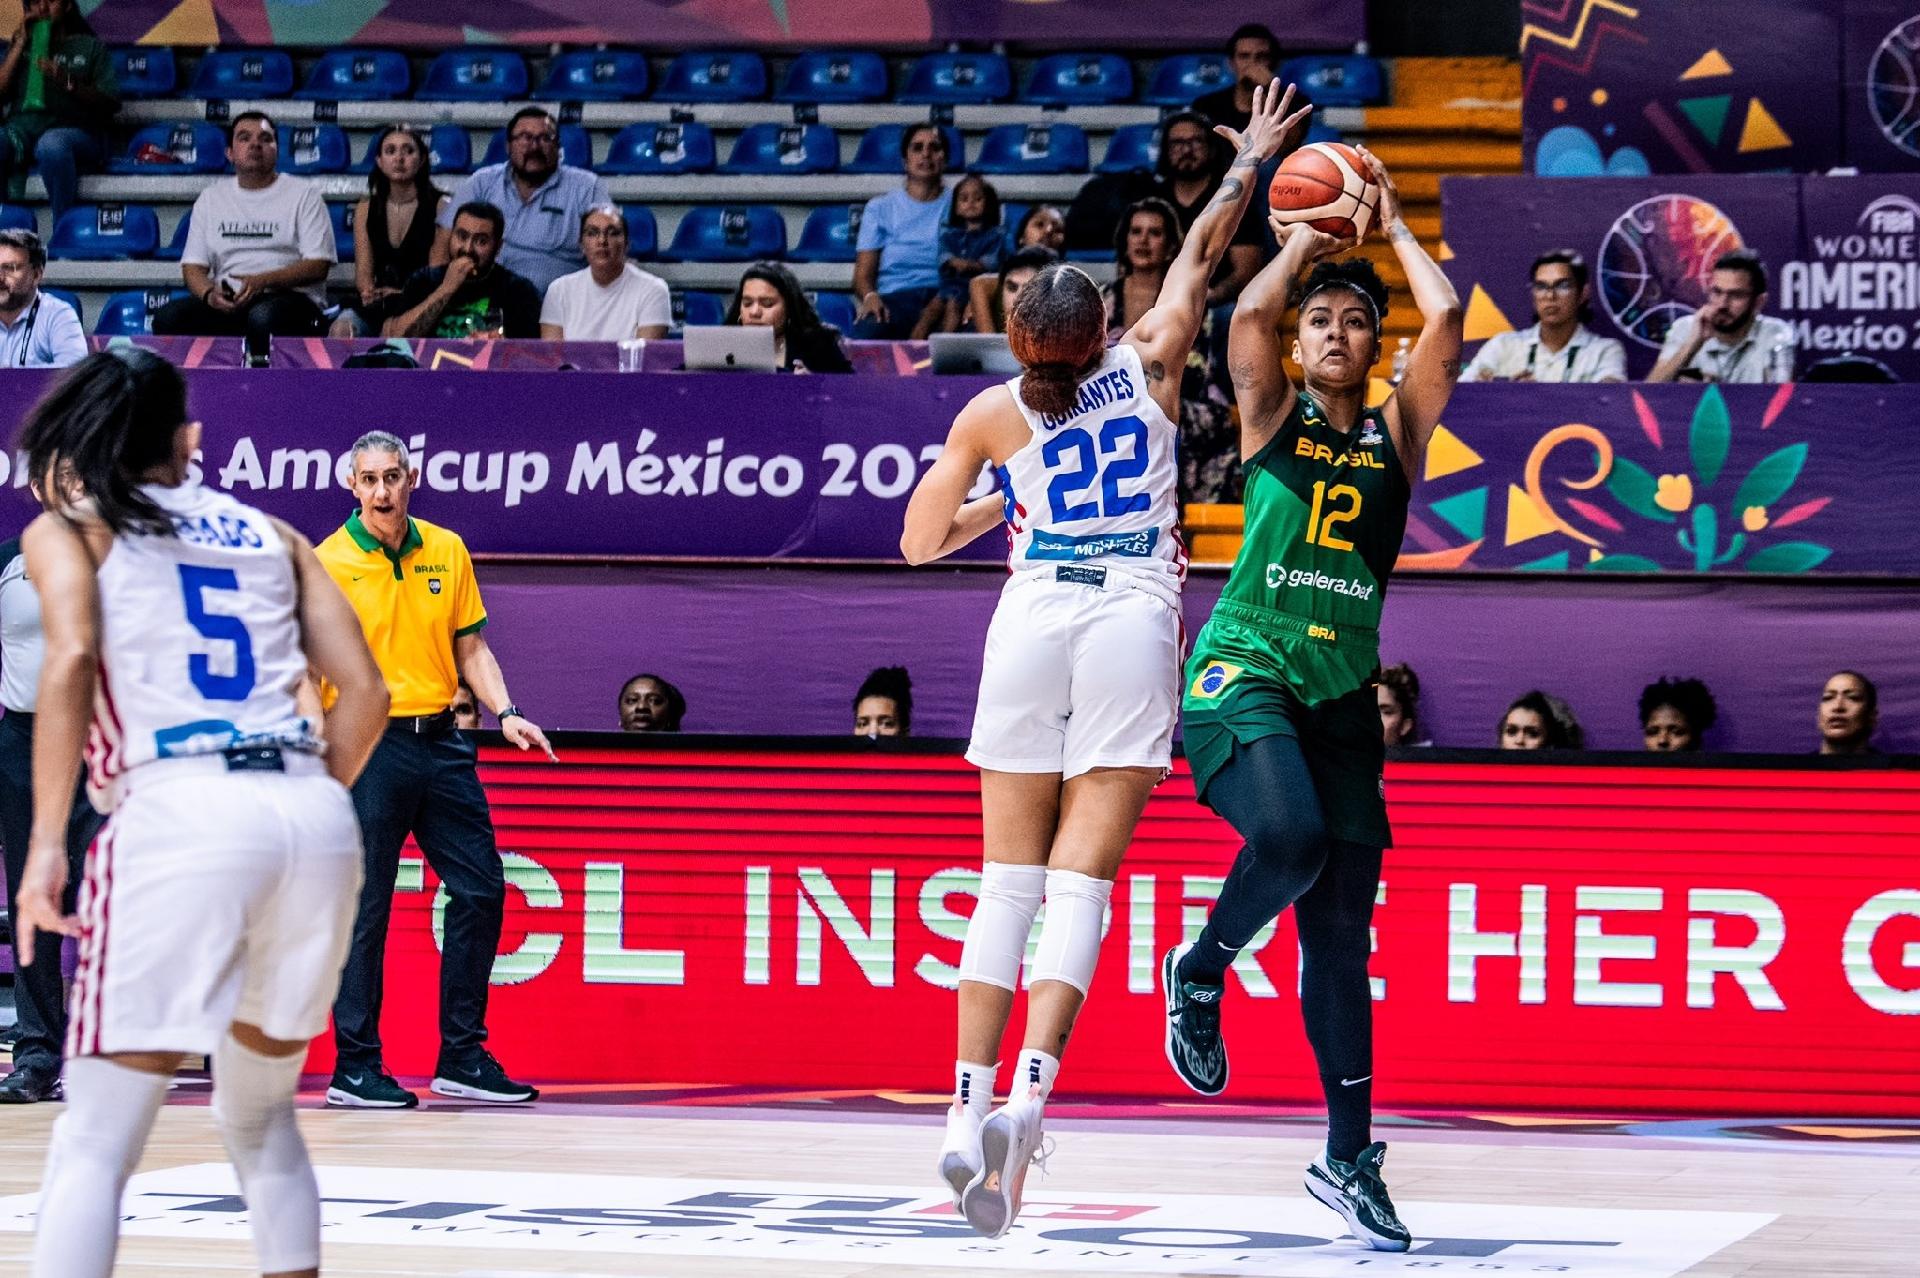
(726, 347)
(970, 353)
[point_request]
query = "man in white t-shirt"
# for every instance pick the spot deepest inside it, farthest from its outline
(612, 299)
(1728, 339)
(1559, 347)
(258, 250)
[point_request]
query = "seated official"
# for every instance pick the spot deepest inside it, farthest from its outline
(612, 299)
(36, 329)
(769, 296)
(472, 295)
(1728, 339)
(1558, 347)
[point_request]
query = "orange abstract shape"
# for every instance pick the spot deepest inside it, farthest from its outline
(1536, 463)
(1753, 518)
(1674, 493)
(1436, 560)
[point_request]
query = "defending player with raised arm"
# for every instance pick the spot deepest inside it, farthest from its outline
(179, 625)
(1282, 728)
(1078, 689)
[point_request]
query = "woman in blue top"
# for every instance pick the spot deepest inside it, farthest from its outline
(896, 267)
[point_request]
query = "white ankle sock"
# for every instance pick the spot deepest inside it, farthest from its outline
(1035, 1067)
(973, 1087)
(96, 1145)
(253, 1105)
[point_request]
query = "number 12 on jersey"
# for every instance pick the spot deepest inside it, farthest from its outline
(1325, 516)
(1066, 489)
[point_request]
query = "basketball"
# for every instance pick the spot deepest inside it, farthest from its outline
(1324, 184)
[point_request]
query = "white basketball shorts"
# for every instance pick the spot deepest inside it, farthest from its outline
(1078, 677)
(213, 897)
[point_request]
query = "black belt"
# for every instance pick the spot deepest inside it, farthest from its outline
(424, 725)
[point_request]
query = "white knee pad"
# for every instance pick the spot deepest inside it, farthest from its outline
(997, 933)
(1070, 935)
(253, 1106)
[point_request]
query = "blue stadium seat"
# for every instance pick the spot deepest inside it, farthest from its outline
(195, 145)
(717, 75)
(660, 148)
(785, 148)
(16, 217)
(71, 299)
(879, 150)
(359, 75)
(475, 75)
(307, 149)
(1089, 255)
(131, 314)
(1080, 79)
(576, 147)
(959, 77)
(450, 149)
(1033, 148)
(830, 234)
(171, 251)
(105, 233)
(705, 309)
(729, 233)
(835, 77)
(243, 73)
(1132, 146)
(1336, 79)
(1178, 80)
(643, 232)
(837, 309)
(145, 72)
(341, 215)
(596, 75)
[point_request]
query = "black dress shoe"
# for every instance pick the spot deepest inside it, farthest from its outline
(31, 1082)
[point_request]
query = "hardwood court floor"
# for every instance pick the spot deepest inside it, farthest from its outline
(1849, 1209)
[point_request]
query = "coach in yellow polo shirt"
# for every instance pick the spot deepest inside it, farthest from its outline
(411, 583)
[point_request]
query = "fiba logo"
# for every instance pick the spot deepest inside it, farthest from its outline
(1655, 261)
(1890, 215)
(1893, 86)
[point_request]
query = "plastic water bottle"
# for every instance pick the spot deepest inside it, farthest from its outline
(1400, 356)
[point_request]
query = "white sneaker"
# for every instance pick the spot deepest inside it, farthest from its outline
(960, 1161)
(1009, 1139)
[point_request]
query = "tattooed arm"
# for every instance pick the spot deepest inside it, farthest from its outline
(1255, 347)
(1434, 364)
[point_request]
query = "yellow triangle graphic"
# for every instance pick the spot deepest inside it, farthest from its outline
(1711, 63)
(1761, 132)
(1530, 1120)
(1484, 319)
(1855, 1133)
(192, 22)
(1525, 521)
(1594, 556)
(1448, 454)
(1446, 251)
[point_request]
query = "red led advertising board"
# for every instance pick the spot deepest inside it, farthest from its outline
(1599, 935)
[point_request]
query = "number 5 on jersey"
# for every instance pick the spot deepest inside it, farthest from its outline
(195, 582)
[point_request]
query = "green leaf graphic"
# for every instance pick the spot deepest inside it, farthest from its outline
(1770, 478)
(1788, 556)
(1624, 563)
(1707, 442)
(1634, 488)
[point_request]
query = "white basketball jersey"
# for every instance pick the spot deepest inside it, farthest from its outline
(199, 640)
(1096, 486)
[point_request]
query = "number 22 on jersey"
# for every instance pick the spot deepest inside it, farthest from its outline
(1121, 456)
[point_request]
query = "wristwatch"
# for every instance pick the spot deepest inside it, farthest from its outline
(509, 712)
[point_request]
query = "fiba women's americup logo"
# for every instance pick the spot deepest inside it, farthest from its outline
(1655, 261)
(1893, 86)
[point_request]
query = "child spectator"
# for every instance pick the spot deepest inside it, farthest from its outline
(971, 244)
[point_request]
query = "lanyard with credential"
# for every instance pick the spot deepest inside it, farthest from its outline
(1566, 375)
(18, 352)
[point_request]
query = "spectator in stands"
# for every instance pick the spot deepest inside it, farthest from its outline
(769, 296)
(466, 708)
(57, 81)
(473, 295)
(649, 703)
(972, 242)
(993, 296)
(393, 228)
(258, 250)
(1849, 712)
(1675, 714)
(1145, 243)
(1398, 691)
(1192, 166)
(1540, 722)
(1558, 347)
(884, 705)
(543, 201)
(896, 268)
(1255, 54)
(36, 330)
(612, 299)
(1728, 339)
(1042, 226)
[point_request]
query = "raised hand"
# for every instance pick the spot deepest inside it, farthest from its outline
(1306, 243)
(1268, 126)
(1388, 211)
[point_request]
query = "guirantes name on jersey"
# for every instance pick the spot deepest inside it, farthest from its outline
(1115, 386)
(1279, 575)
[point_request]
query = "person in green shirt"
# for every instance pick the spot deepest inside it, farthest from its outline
(58, 86)
(1281, 725)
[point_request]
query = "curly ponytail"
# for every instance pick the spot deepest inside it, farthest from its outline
(111, 417)
(1058, 332)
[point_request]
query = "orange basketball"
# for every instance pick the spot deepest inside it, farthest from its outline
(1324, 184)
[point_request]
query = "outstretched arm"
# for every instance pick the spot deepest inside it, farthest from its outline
(940, 519)
(1255, 348)
(1434, 364)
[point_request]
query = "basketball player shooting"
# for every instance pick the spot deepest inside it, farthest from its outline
(1078, 690)
(218, 900)
(1282, 728)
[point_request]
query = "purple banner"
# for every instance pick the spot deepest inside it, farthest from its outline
(1881, 83)
(1843, 255)
(519, 355)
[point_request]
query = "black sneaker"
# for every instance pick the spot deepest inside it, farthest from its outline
(480, 1079)
(1194, 1046)
(1357, 1191)
(367, 1087)
(30, 1083)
